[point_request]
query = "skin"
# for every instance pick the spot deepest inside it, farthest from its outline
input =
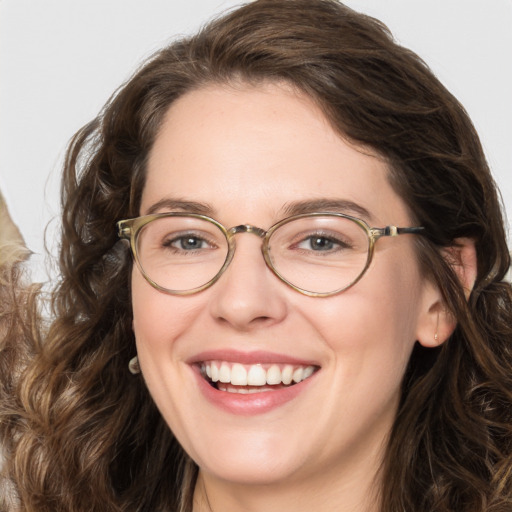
(247, 152)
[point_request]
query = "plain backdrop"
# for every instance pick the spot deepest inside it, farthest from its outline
(60, 60)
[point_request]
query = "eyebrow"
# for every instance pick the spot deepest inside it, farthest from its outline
(326, 205)
(181, 205)
(289, 209)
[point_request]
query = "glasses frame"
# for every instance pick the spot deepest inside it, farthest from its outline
(129, 229)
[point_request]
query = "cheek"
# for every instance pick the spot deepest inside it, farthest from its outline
(158, 320)
(371, 328)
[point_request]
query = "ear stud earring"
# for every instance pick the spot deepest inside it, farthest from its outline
(436, 336)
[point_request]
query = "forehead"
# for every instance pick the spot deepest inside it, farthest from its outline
(250, 149)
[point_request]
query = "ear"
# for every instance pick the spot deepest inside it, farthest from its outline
(462, 258)
(436, 323)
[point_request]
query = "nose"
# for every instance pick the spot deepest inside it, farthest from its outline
(248, 295)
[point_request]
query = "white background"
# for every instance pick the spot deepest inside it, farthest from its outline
(61, 59)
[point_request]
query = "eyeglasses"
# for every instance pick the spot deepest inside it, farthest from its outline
(317, 254)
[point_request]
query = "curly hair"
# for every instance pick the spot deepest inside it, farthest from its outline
(19, 322)
(89, 437)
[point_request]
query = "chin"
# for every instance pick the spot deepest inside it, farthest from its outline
(248, 470)
(252, 457)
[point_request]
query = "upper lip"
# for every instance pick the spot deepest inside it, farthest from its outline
(253, 357)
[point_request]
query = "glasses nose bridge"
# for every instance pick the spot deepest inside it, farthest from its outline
(247, 228)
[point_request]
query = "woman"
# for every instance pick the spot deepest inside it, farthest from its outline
(316, 316)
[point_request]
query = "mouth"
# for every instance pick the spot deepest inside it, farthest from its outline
(253, 378)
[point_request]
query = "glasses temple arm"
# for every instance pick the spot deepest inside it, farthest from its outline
(395, 231)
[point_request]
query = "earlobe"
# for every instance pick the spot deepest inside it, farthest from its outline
(437, 327)
(437, 323)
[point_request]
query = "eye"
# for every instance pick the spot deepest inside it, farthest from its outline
(321, 243)
(317, 243)
(187, 242)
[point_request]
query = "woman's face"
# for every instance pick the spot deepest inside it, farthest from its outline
(247, 156)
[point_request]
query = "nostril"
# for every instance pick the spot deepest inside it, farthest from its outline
(243, 323)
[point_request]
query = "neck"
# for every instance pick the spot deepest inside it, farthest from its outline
(355, 490)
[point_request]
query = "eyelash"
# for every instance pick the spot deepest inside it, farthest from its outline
(341, 245)
(168, 243)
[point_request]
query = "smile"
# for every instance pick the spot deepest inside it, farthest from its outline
(253, 378)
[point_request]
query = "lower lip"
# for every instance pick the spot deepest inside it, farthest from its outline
(253, 403)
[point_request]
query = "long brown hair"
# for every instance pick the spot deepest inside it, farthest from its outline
(89, 436)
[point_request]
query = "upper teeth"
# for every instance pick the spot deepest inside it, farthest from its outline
(255, 374)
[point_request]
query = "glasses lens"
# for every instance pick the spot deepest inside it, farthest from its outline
(181, 253)
(319, 254)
